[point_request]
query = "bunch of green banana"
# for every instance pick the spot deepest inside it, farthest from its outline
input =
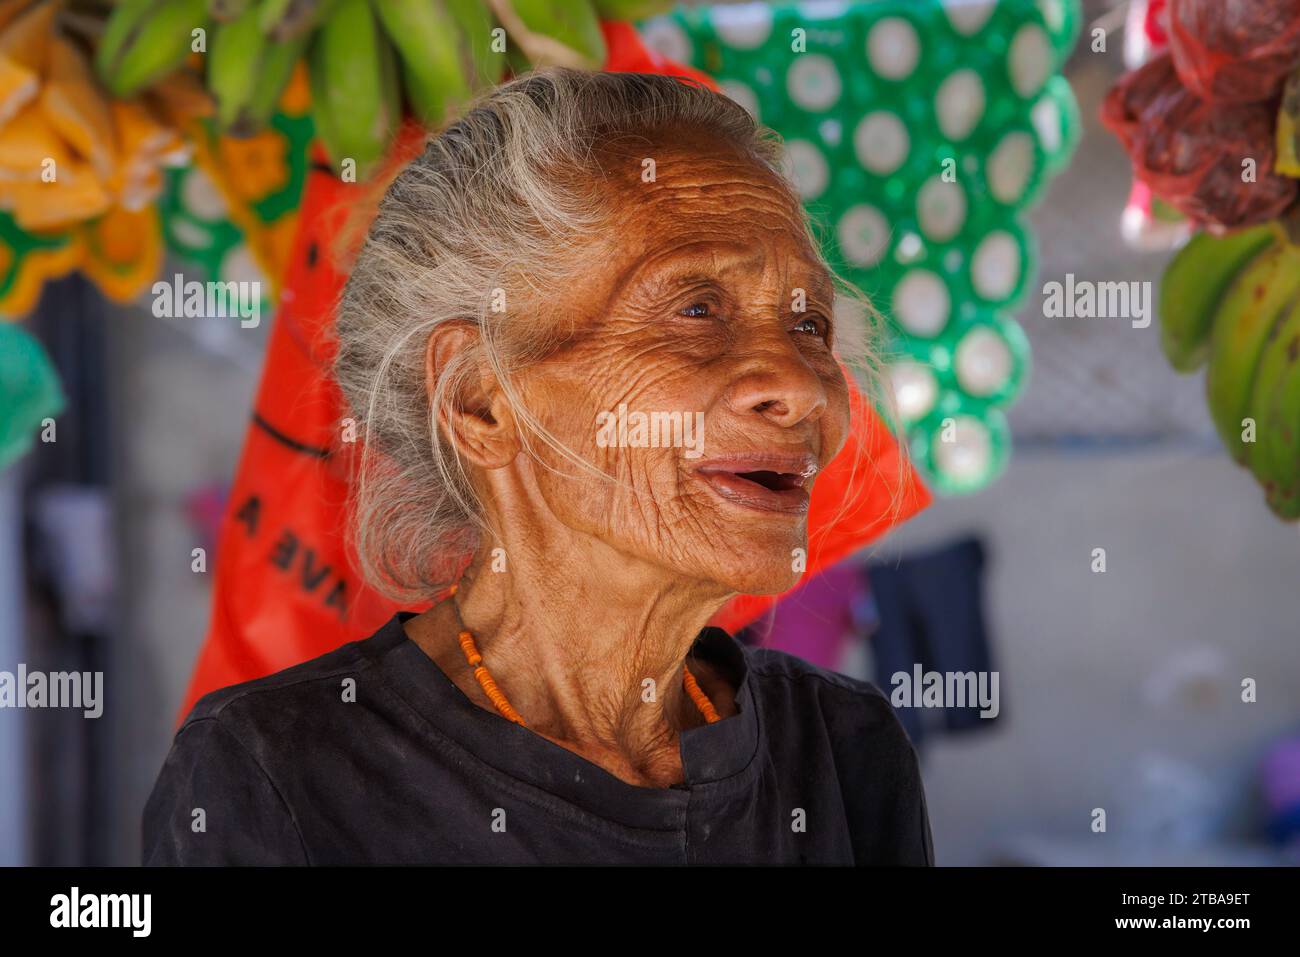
(356, 96)
(284, 20)
(481, 55)
(1275, 405)
(446, 52)
(631, 9)
(224, 11)
(144, 40)
(1233, 303)
(1195, 283)
(554, 32)
(248, 70)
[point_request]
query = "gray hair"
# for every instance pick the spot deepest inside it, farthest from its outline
(491, 211)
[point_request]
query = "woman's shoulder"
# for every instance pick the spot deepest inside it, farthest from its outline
(220, 796)
(778, 670)
(822, 721)
(297, 688)
(801, 699)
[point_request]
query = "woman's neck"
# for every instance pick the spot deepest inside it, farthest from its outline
(587, 645)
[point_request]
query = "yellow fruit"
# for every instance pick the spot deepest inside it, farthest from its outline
(9, 11)
(139, 133)
(24, 175)
(24, 46)
(143, 190)
(28, 140)
(78, 194)
(144, 144)
(105, 156)
(76, 108)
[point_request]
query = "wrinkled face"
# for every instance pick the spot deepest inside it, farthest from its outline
(700, 378)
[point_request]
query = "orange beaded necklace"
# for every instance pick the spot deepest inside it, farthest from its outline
(503, 707)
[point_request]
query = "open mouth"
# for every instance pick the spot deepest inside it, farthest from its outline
(776, 481)
(767, 482)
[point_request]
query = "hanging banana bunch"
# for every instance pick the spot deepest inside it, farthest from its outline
(1212, 126)
(366, 59)
(554, 33)
(249, 66)
(145, 40)
(1232, 303)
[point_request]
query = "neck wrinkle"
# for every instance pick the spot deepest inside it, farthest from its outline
(571, 651)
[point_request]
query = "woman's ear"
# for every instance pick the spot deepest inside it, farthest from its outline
(474, 413)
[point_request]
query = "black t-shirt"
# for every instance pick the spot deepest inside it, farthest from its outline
(371, 755)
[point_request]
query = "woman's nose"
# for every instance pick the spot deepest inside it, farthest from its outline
(780, 385)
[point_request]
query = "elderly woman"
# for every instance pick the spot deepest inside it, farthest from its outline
(592, 346)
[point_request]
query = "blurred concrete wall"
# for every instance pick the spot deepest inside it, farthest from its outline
(188, 409)
(1119, 690)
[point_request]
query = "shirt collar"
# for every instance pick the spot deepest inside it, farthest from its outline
(715, 752)
(719, 757)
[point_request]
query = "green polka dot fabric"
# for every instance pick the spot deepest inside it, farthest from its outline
(197, 221)
(197, 227)
(917, 132)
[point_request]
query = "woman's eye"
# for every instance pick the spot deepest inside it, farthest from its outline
(810, 326)
(699, 310)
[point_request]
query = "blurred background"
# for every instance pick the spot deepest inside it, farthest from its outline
(1120, 690)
